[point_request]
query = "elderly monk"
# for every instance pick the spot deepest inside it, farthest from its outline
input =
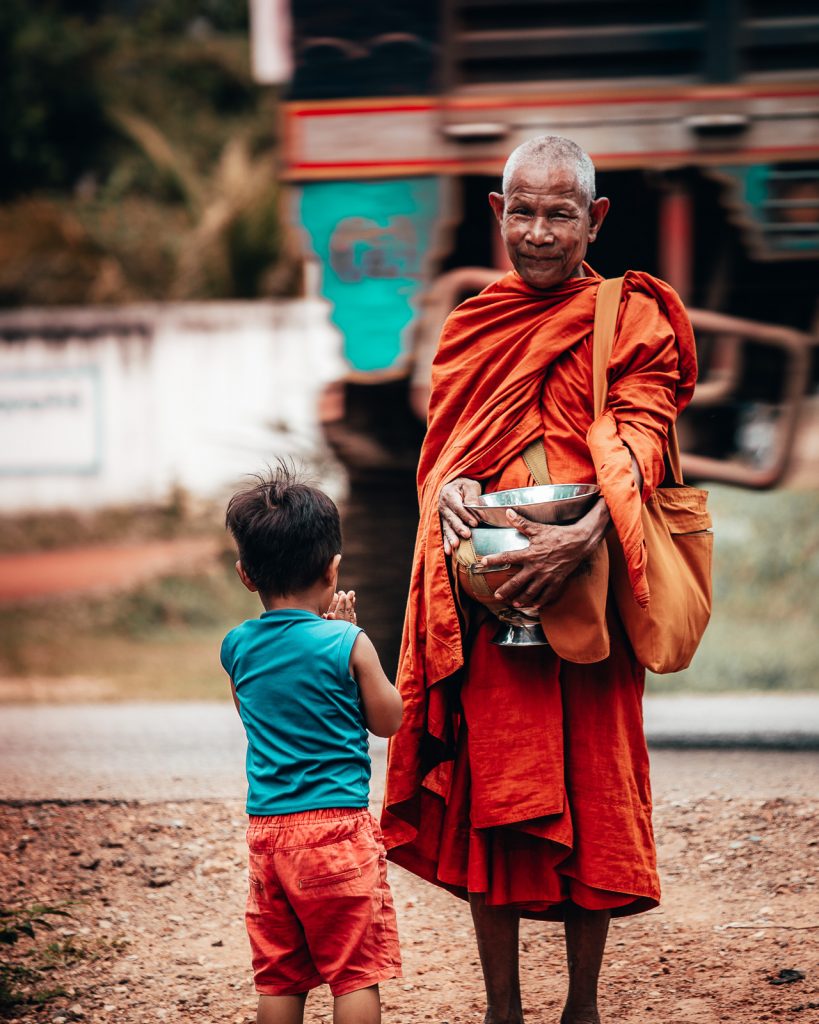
(519, 779)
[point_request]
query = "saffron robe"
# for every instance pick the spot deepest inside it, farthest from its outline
(518, 773)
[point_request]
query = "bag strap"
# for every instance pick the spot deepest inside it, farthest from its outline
(607, 307)
(534, 455)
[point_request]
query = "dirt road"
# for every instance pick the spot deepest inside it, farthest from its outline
(157, 893)
(97, 568)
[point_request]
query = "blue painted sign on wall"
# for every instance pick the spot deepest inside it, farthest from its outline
(51, 422)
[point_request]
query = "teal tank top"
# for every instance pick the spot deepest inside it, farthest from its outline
(301, 709)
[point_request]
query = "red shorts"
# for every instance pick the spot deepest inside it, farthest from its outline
(319, 908)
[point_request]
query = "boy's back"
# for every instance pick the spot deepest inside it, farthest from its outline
(307, 741)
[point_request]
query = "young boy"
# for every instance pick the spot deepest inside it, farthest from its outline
(308, 684)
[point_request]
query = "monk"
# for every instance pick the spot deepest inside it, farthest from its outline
(519, 779)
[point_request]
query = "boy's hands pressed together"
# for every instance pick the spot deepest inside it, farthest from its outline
(381, 702)
(342, 606)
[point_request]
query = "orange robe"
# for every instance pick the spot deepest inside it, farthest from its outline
(517, 773)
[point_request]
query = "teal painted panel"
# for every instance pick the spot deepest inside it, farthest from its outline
(373, 239)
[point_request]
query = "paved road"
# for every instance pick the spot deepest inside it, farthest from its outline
(196, 750)
(778, 721)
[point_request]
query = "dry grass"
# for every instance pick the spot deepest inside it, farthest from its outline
(180, 516)
(160, 641)
(762, 634)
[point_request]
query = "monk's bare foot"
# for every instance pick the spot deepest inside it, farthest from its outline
(580, 1015)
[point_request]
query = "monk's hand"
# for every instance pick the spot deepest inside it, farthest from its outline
(456, 519)
(553, 554)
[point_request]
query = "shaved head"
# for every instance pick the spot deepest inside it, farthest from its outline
(548, 213)
(551, 150)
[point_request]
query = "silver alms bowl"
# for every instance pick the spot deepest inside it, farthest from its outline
(520, 627)
(490, 541)
(549, 503)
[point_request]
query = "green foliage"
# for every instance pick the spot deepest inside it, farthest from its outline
(27, 971)
(253, 242)
(52, 121)
(114, 136)
(178, 179)
(171, 16)
(71, 952)
(237, 242)
(17, 923)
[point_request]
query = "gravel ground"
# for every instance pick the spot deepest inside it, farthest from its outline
(156, 891)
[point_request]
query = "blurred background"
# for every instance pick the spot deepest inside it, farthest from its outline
(232, 233)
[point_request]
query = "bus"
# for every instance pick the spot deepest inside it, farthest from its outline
(702, 117)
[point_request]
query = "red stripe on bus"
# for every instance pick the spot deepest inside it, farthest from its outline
(726, 157)
(691, 93)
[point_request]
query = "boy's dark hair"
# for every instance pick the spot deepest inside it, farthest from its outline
(287, 532)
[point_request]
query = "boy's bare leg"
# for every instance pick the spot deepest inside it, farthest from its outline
(497, 930)
(360, 1007)
(281, 1009)
(586, 932)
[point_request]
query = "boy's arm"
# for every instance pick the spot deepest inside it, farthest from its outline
(383, 706)
(226, 658)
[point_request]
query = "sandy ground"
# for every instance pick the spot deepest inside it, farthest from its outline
(157, 890)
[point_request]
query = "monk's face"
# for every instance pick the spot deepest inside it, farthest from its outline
(546, 223)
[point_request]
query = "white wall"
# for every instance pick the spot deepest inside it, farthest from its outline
(109, 406)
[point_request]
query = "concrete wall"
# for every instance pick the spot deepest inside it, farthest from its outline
(108, 406)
